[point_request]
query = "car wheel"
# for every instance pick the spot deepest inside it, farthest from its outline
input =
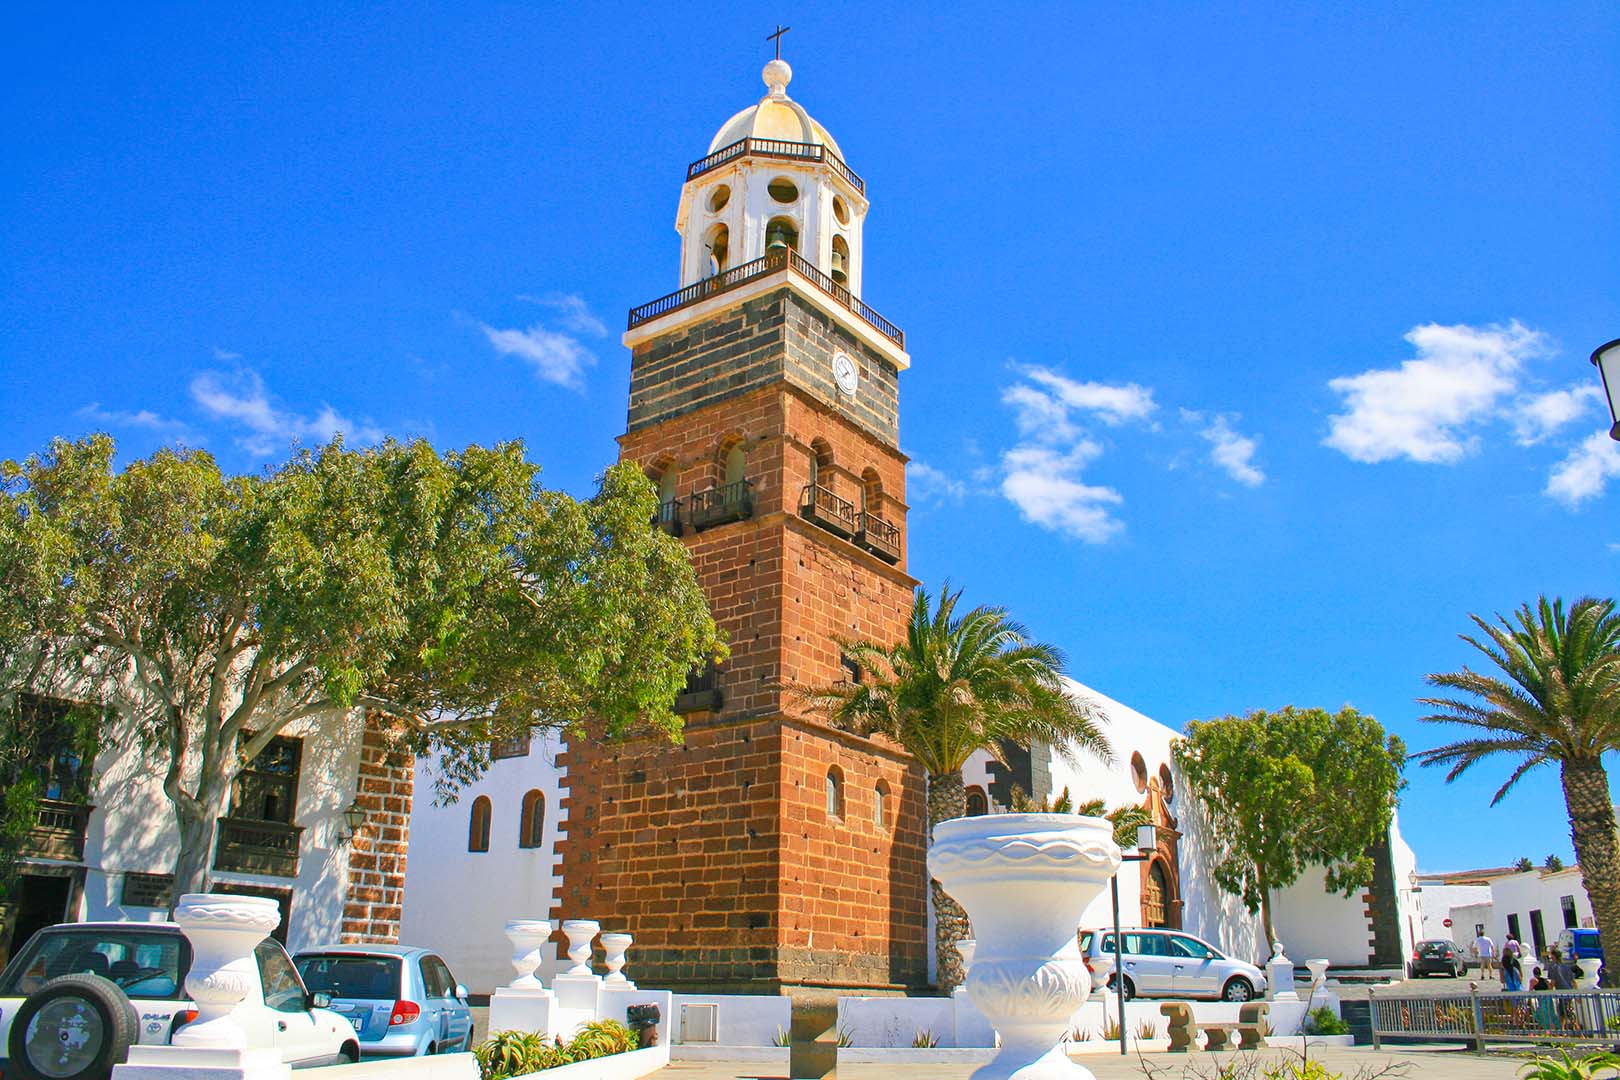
(1130, 987)
(349, 1055)
(1237, 989)
(76, 1027)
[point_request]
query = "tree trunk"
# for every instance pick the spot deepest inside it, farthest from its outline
(947, 799)
(1592, 828)
(1265, 919)
(198, 820)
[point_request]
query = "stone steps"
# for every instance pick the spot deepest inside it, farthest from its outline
(814, 1051)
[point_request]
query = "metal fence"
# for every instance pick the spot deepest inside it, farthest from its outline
(1577, 1016)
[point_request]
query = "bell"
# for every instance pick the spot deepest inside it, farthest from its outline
(840, 273)
(776, 239)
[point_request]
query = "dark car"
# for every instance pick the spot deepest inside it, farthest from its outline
(1437, 957)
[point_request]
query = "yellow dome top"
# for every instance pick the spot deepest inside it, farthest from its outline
(777, 116)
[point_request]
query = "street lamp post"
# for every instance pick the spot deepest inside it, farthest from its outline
(1607, 360)
(1147, 842)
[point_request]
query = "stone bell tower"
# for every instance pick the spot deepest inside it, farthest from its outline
(770, 852)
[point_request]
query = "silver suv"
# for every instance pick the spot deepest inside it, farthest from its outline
(1169, 963)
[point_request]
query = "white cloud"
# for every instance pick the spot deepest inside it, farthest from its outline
(1046, 486)
(264, 428)
(576, 314)
(924, 483)
(1542, 415)
(1039, 415)
(556, 357)
(1112, 404)
(1232, 452)
(1424, 408)
(140, 418)
(225, 356)
(1586, 472)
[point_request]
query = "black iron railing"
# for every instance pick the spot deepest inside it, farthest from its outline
(779, 149)
(719, 505)
(702, 691)
(881, 538)
(58, 831)
(668, 517)
(832, 512)
(770, 263)
(257, 847)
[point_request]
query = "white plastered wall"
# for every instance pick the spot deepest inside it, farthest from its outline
(459, 901)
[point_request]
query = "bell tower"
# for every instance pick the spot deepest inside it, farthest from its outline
(770, 852)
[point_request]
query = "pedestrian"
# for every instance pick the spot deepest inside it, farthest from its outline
(1560, 970)
(1512, 969)
(1485, 949)
(1546, 1011)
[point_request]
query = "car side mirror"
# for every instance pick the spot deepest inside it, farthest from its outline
(318, 999)
(461, 993)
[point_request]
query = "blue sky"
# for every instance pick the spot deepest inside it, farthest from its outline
(1249, 343)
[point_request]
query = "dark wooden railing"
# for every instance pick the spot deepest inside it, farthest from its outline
(819, 505)
(58, 831)
(770, 263)
(881, 538)
(717, 506)
(702, 691)
(668, 517)
(257, 847)
(779, 149)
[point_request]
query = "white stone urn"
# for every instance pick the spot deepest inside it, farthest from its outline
(581, 932)
(966, 948)
(1318, 969)
(1591, 969)
(615, 945)
(1025, 881)
(223, 931)
(527, 937)
(1102, 966)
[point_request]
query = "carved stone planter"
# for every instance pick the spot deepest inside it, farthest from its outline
(223, 931)
(615, 946)
(581, 932)
(1025, 881)
(527, 937)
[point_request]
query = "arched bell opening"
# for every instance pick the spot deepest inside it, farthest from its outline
(718, 244)
(840, 261)
(781, 236)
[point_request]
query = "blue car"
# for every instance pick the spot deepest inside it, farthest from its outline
(1577, 943)
(403, 1002)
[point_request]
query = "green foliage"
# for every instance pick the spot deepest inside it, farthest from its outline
(1523, 864)
(509, 1054)
(960, 683)
(924, 1040)
(599, 1038)
(1289, 789)
(1126, 820)
(41, 743)
(781, 1038)
(845, 1037)
(450, 592)
(1321, 1021)
(1553, 863)
(1565, 1067)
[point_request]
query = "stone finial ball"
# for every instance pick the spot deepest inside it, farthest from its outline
(777, 74)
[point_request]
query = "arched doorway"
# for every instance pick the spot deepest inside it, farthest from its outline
(1155, 891)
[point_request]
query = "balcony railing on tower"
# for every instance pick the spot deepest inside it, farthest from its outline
(668, 517)
(58, 831)
(702, 691)
(820, 506)
(770, 263)
(247, 846)
(779, 149)
(719, 505)
(881, 538)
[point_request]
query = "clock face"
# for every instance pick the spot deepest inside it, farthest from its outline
(844, 373)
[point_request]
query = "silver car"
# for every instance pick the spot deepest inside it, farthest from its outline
(403, 1002)
(1169, 963)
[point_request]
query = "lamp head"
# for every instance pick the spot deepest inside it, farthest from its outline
(1147, 838)
(1607, 359)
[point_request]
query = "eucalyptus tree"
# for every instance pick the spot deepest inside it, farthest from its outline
(1554, 699)
(957, 684)
(449, 593)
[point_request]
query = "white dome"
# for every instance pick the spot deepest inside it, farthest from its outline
(777, 116)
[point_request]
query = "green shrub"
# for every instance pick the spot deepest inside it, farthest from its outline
(1321, 1021)
(1565, 1067)
(508, 1054)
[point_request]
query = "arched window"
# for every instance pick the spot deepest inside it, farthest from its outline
(835, 792)
(880, 805)
(736, 463)
(821, 460)
(667, 481)
(840, 260)
(718, 241)
(782, 233)
(871, 491)
(533, 823)
(478, 825)
(1138, 771)
(977, 804)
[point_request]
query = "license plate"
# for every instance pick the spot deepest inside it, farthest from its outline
(358, 1019)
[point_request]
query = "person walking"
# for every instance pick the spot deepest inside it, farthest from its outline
(1560, 970)
(1485, 949)
(1546, 1011)
(1512, 964)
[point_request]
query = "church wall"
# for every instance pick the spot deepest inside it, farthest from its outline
(458, 901)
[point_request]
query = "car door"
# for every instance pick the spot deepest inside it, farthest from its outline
(295, 1032)
(455, 1016)
(1148, 963)
(1195, 971)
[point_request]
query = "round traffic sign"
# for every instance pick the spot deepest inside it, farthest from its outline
(1446, 923)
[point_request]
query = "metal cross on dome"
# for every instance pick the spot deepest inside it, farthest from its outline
(777, 37)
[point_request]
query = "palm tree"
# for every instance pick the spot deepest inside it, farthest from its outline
(956, 684)
(1125, 819)
(1559, 704)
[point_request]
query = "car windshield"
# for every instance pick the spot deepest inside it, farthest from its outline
(146, 964)
(346, 975)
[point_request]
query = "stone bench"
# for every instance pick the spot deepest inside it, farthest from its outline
(1183, 1030)
(1253, 1019)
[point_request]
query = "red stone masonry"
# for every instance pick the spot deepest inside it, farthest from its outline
(371, 908)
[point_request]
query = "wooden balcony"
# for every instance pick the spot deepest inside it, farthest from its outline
(881, 538)
(719, 505)
(58, 831)
(668, 517)
(702, 693)
(257, 847)
(819, 506)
